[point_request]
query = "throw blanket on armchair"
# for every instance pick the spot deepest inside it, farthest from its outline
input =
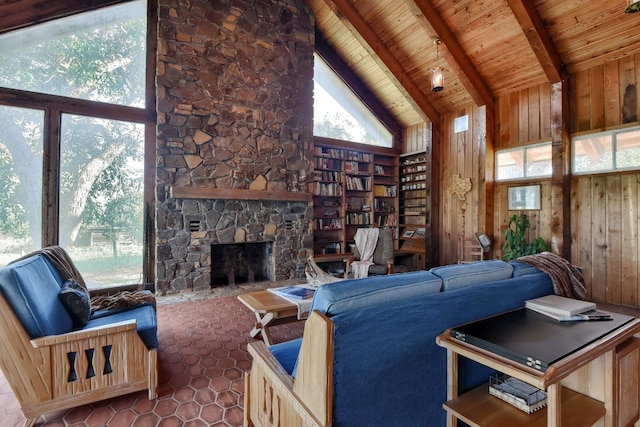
(366, 240)
(567, 280)
(63, 263)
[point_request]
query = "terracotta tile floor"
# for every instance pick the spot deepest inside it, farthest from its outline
(201, 361)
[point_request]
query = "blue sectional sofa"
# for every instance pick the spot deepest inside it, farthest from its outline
(369, 355)
(53, 359)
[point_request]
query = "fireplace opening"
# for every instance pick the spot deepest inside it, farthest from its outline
(236, 263)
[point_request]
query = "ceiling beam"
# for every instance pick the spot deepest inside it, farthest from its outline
(383, 57)
(430, 20)
(539, 40)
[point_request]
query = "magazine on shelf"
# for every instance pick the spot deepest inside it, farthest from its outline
(559, 306)
(295, 292)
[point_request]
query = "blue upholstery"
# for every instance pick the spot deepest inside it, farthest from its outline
(146, 322)
(463, 275)
(385, 330)
(337, 297)
(397, 360)
(287, 354)
(31, 289)
(522, 268)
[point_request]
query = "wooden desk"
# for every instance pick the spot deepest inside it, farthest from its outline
(270, 310)
(590, 385)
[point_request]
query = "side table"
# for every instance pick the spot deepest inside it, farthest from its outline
(270, 310)
(596, 381)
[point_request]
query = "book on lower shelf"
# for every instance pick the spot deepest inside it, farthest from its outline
(517, 393)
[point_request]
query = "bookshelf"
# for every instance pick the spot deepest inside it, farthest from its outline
(412, 219)
(352, 189)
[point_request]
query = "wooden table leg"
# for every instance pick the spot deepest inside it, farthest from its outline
(554, 404)
(261, 327)
(452, 384)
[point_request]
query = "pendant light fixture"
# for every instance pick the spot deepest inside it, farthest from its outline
(437, 78)
(632, 6)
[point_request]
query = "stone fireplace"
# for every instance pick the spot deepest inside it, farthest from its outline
(234, 135)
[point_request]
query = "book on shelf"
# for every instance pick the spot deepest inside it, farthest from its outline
(523, 396)
(559, 306)
(294, 291)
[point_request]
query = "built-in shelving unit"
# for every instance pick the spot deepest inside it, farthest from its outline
(412, 219)
(352, 189)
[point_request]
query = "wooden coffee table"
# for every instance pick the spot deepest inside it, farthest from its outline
(270, 310)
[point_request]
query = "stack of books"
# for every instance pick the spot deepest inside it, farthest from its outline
(566, 309)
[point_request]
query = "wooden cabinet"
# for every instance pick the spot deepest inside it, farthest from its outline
(412, 219)
(351, 189)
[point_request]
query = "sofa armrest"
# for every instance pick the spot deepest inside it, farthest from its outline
(273, 397)
(99, 331)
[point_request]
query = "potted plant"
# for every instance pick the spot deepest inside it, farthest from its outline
(517, 243)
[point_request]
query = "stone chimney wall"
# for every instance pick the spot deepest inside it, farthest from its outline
(234, 103)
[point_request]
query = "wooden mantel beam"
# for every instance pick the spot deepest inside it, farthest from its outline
(350, 17)
(430, 20)
(538, 37)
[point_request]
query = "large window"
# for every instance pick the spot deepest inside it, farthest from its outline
(533, 161)
(94, 158)
(339, 114)
(607, 151)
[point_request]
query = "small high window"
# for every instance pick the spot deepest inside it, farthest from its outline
(606, 151)
(340, 114)
(533, 161)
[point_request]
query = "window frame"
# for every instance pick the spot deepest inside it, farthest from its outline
(614, 152)
(524, 149)
(55, 106)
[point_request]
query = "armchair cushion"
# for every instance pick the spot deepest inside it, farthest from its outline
(146, 322)
(75, 299)
(31, 289)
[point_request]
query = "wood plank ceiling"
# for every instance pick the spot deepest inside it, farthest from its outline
(489, 47)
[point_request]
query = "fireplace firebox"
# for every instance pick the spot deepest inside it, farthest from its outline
(237, 263)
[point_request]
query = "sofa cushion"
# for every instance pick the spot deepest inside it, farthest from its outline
(522, 268)
(75, 299)
(463, 275)
(338, 297)
(31, 289)
(146, 322)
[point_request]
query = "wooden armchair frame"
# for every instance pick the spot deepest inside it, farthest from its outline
(68, 370)
(273, 398)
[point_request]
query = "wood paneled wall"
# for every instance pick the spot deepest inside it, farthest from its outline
(523, 118)
(605, 96)
(462, 160)
(605, 208)
(605, 238)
